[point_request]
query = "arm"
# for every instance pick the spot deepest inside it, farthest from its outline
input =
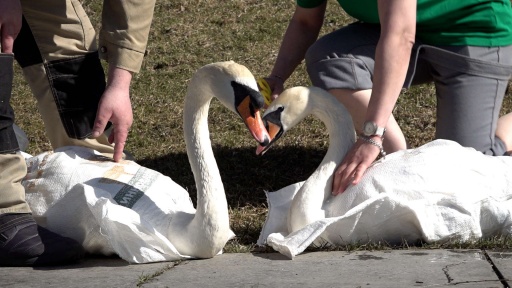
(302, 31)
(115, 106)
(10, 23)
(123, 40)
(398, 29)
(124, 32)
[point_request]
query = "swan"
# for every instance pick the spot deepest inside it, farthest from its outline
(163, 215)
(437, 192)
(306, 206)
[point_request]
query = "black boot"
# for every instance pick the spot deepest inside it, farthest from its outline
(24, 243)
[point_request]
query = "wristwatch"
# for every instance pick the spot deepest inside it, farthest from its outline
(371, 129)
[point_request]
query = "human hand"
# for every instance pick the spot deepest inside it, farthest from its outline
(115, 106)
(276, 85)
(351, 170)
(10, 23)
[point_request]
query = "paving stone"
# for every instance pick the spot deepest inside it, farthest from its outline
(396, 268)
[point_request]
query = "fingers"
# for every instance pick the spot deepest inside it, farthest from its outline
(276, 85)
(346, 176)
(7, 42)
(8, 34)
(343, 177)
(276, 92)
(10, 24)
(120, 135)
(340, 178)
(121, 121)
(100, 123)
(353, 167)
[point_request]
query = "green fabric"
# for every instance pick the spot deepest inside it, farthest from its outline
(445, 22)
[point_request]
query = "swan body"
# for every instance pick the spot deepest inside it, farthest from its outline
(437, 192)
(134, 211)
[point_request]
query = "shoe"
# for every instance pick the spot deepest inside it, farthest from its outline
(24, 243)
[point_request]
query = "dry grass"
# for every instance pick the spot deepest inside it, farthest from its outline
(187, 34)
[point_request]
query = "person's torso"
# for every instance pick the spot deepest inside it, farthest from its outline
(446, 22)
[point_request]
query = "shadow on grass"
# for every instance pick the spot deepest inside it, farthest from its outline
(245, 175)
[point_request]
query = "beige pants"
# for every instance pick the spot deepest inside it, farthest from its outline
(57, 52)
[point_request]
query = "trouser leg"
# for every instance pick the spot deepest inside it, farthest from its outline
(470, 93)
(12, 165)
(57, 51)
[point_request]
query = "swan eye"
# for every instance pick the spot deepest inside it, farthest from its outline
(280, 109)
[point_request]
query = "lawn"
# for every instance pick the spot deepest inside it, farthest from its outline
(187, 34)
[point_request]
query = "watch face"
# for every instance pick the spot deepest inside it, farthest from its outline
(369, 128)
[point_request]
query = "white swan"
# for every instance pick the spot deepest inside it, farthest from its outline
(136, 212)
(306, 206)
(437, 192)
(205, 233)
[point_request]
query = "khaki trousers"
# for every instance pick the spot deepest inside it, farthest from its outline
(57, 51)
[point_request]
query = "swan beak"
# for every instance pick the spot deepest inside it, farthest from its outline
(274, 131)
(253, 121)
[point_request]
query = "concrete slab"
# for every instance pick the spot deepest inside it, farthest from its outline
(407, 268)
(503, 261)
(92, 272)
(335, 269)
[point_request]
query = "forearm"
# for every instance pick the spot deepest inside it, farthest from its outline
(391, 61)
(301, 33)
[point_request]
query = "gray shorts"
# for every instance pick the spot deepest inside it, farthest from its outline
(470, 81)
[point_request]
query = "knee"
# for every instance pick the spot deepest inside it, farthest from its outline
(504, 132)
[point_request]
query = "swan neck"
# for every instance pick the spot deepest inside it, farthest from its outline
(341, 138)
(307, 205)
(211, 198)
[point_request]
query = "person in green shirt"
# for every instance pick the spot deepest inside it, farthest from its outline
(463, 47)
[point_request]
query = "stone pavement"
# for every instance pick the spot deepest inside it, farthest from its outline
(395, 268)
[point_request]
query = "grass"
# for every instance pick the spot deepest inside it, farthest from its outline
(187, 34)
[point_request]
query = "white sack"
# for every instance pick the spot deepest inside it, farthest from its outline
(438, 192)
(109, 207)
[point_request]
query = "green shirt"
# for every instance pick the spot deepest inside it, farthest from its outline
(445, 22)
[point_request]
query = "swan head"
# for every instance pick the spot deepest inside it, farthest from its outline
(236, 88)
(291, 107)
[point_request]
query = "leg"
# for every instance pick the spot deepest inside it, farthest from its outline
(61, 65)
(342, 63)
(22, 242)
(504, 131)
(356, 103)
(12, 165)
(470, 90)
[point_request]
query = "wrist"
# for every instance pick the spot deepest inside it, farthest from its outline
(277, 77)
(119, 78)
(376, 141)
(371, 128)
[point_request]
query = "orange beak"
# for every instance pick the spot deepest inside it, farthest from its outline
(253, 122)
(273, 131)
